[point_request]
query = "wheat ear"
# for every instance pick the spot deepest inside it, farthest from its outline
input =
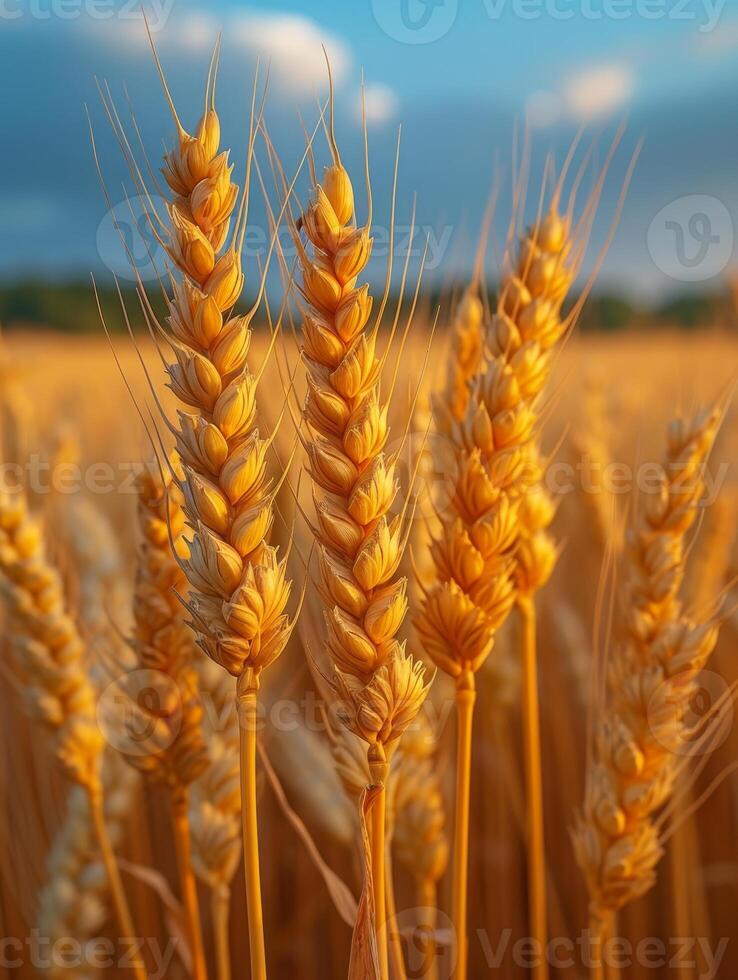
(49, 656)
(641, 742)
(164, 647)
(360, 546)
(473, 590)
(238, 584)
(526, 331)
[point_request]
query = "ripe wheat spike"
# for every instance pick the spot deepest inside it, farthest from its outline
(239, 586)
(360, 544)
(640, 744)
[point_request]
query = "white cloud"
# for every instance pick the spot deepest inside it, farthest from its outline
(598, 91)
(194, 32)
(189, 32)
(380, 102)
(293, 47)
(289, 44)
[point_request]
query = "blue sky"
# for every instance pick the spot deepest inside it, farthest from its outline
(473, 69)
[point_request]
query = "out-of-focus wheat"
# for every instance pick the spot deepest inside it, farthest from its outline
(162, 642)
(74, 904)
(50, 660)
(164, 649)
(593, 443)
(87, 536)
(420, 834)
(465, 361)
(641, 742)
(215, 805)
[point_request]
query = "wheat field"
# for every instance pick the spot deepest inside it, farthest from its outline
(306, 934)
(349, 637)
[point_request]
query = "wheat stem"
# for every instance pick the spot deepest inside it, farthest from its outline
(120, 902)
(188, 888)
(247, 717)
(220, 905)
(394, 938)
(379, 847)
(600, 929)
(465, 697)
(428, 902)
(534, 784)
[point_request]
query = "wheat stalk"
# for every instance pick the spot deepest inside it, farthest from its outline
(642, 737)
(49, 657)
(380, 686)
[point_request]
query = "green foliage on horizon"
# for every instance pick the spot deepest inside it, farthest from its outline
(72, 308)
